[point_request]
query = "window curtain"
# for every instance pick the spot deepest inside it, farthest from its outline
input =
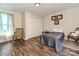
(0, 24)
(6, 24)
(9, 24)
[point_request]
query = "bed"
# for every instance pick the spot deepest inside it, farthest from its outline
(53, 39)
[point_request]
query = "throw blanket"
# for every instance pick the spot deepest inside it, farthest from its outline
(53, 39)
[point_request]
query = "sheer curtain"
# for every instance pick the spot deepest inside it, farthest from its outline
(6, 25)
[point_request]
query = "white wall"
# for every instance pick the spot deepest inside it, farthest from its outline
(69, 22)
(31, 22)
(33, 25)
(16, 17)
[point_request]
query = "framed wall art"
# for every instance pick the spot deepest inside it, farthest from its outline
(56, 22)
(53, 18)
(60, 16)
(56, 18)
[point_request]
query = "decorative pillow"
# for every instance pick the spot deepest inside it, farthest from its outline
(57, 30)
(77, 32)
(74, 34)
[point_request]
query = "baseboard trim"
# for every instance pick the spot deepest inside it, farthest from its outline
(32, 37)
(6, 41)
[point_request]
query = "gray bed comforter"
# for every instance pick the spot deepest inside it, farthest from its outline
(53, 39)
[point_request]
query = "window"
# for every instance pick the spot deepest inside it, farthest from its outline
(6, 24)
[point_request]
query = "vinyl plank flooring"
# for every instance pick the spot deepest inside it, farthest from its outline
(31, 47)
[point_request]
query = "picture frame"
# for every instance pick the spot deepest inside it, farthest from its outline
(60, 16)
(53, 18)
(56, 22)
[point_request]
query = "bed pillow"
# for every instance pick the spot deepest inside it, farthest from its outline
(58, 30)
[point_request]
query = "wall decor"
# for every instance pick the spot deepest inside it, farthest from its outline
(60, 16)
(53, 17)
(56, 18)
(56, 22)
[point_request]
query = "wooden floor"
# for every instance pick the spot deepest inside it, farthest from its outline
(31, 47)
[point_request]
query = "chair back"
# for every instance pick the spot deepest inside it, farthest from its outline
(77, 29)
(18, 33)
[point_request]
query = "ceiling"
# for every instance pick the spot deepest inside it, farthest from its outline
(44, 9)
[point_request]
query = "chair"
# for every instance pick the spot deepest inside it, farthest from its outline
(18, 34)
(74, 35)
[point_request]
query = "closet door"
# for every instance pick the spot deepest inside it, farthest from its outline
(33, 27)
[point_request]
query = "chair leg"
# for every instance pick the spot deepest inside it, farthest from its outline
(68, 38)
(76, 41)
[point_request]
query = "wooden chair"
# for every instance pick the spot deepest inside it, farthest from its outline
(18, 34)
(74, 37)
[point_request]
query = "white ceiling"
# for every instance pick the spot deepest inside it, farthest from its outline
(44, 9)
